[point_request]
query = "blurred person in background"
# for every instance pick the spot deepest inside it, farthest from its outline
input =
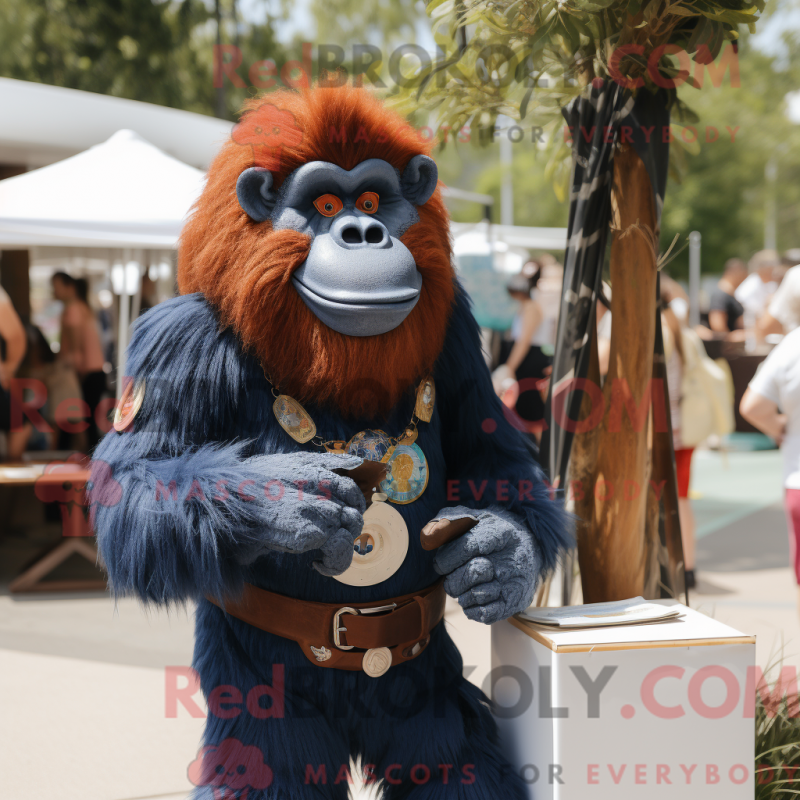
(790, 258)
(783, 314)
(12, 351)
(677, 351)
(81, 346)
(148, 293)
(60, 383)
(772, 404)
(105, 319)
(755, 291)
(527, 357)
(548, 294)
(725, 312)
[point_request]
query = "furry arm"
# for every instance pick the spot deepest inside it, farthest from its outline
(178, 515)
(492, 477)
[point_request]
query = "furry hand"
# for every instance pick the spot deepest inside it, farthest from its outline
(492, 569)
(311, 507)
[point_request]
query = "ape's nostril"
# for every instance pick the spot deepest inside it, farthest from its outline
(374, 235)
(351, 235)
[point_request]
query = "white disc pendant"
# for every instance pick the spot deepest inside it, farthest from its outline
(380, 549)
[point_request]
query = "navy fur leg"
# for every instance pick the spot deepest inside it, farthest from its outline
(435, 738)
(269, 733)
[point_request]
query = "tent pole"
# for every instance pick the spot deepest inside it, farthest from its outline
(137, 297)
(124, 321)
(695, 239)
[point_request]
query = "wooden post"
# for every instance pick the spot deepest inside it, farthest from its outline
(15, 279)
(15, 264)
(612, 548)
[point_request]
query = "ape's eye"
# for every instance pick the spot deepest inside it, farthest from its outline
(368, 203)
(328, 205)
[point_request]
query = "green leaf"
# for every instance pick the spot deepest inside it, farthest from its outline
(692, 147)
(523, 106)
(680, 11)
(571, 33)
(699, 35)
(651, 10)
(513, 10)
(537, 40)
(593, 24)
(435, 4)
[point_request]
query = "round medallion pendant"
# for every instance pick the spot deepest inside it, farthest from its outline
(369, 445)
(380, 549)
(377, 661)
(408, 474)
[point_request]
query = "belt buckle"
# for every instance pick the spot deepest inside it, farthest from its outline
(337, 618)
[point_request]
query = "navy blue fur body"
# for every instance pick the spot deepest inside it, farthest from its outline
(207, 417)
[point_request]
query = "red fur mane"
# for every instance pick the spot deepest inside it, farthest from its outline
(244, 268)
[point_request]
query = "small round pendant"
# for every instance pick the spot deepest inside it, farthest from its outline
(408, 474)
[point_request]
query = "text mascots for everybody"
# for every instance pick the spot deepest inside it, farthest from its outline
(309, 448)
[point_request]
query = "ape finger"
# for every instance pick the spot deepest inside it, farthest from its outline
(474, 572)
(483, 539)
(482, 595)
(487, 614)
(343, 490)
(353, 521)
(337, 554)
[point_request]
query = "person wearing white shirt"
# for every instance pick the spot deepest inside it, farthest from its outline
(758, 287)
(772, 404)
(783, 314)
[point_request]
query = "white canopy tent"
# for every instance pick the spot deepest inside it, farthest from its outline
(123, 194)
(477, 234)
(42, 124)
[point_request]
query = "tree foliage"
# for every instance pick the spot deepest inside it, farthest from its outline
(383, 23)
(529, 58)
(526, 59)
(158, 52)
(718, 187)
(721, 189)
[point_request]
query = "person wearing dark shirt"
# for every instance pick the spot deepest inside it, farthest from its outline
(12, 351)
(726, 313)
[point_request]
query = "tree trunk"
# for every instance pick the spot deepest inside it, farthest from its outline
(612, 548)
(582, 468)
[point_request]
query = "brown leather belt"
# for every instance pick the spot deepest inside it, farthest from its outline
(369, 636)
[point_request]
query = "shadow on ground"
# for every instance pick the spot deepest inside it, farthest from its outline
(757, 541)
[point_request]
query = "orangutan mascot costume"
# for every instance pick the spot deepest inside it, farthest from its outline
(309, 448)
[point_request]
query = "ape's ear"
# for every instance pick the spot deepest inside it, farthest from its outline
(254, 191)
(419, 180)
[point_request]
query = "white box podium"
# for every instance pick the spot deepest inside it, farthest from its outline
(655, 710)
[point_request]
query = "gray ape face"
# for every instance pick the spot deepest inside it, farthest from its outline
(358, 278)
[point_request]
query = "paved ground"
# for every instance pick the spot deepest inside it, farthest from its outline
(82, 679)
(743, 550)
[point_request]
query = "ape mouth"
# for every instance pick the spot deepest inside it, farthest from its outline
(406, 296)
(359, 313)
